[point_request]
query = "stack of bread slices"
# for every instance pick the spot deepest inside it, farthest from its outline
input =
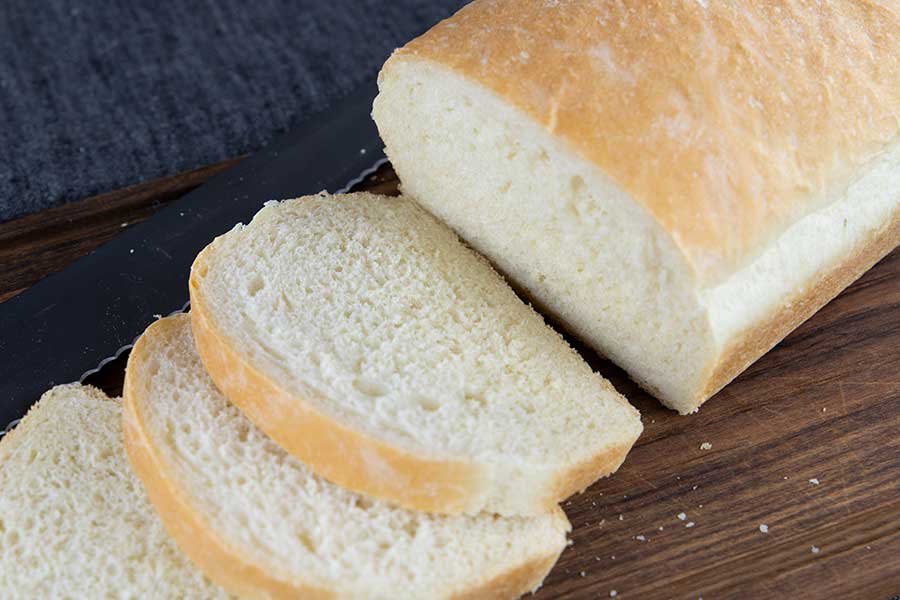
(356, 406)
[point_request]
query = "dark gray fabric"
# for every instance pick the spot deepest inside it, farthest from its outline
(96, 95)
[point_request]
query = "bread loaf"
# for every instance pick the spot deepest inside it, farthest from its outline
(261, 524)
(363, 337)
(681, 183)
(74, 520)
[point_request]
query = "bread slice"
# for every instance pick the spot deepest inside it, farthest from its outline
(681, 183)
(74, 520)
(362, 336)
(260, 523)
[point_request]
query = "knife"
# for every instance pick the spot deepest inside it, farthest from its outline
(70, 323)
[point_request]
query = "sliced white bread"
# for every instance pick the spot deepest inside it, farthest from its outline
(360, 334)
(74, 520)
(262, 524)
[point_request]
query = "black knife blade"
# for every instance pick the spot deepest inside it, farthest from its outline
(68, 322)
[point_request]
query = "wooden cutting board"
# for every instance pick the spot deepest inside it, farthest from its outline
(785, 484)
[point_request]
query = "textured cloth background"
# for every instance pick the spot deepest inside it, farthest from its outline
(97, 95)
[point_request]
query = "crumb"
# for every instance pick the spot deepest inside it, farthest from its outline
(157, 316)
(597, 558)
(640, 538)
(814, 481)
(613, 593)
(613, 557)
(621, 518)
(699, 506)
(694, 488)
(785, 477)
(706, 446)
(660, 527)
(131, 251)
(682, 516)
(815, 549)
(583, 573)
(625, 497)
(181, 214)
(824, 409)
(868, 547)
(678, 478)
(570, 542)
(124, 225)
(363, 151)
(593, 503)
(764, 528)
(689, 524)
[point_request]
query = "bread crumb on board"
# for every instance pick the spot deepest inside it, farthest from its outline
(613, 593)
(815, 549)
(681, 516)
(764, 528)
(814, 481)
(706, 446)
(689, 524)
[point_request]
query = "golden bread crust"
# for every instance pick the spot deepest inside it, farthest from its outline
(726, 121)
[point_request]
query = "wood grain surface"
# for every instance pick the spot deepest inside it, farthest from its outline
(805, 443)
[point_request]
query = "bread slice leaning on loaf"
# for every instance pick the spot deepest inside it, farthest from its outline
(680, 183)
(261, 524)
(74, 520)
(363, 337)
